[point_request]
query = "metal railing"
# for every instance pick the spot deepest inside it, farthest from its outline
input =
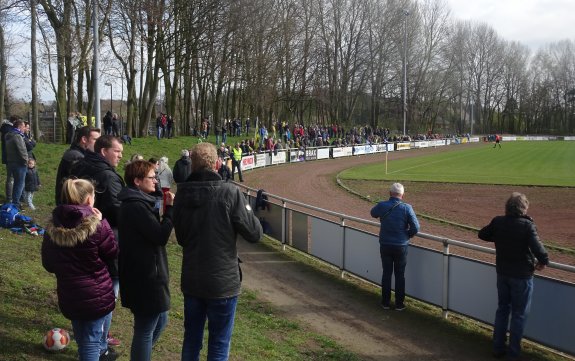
(436, 277)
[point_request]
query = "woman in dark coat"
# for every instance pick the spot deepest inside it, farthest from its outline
(143, 263)
(77, 245)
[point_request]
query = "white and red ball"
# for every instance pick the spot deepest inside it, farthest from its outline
(56, 339)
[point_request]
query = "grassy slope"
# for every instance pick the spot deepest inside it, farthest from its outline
(516, 163)
(29, 305)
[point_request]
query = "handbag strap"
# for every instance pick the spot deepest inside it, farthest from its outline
(389, 211)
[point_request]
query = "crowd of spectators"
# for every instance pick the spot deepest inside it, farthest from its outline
(281, 135)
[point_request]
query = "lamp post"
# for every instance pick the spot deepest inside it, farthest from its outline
(471, 101)
(96, 69)
(111, 93)
(471, 132)
(406, 14)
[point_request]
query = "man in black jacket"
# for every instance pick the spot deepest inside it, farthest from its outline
(208, 215)
(517, 247)
(85, 139)
(182, 167)
(99, 166)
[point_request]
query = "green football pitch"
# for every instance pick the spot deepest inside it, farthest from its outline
(541, 163)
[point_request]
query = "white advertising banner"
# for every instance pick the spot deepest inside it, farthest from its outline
(323, 153)
(260, 160)
(347, 151)
(337, 152)
(359, 150)
(280, 158)
(370, 148)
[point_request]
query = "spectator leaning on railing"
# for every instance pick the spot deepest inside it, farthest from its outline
(519, 253)
(398, 225)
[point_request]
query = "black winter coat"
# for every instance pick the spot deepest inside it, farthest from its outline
(32, 182)
(4, 129)
(107, 182)
(69, 158)
(182, 169)
(208, 216)
(517, 245)
(143, 263)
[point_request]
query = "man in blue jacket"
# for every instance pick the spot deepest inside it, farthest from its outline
(398, 225)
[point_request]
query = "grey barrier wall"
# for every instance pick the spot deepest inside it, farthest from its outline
(455, 283)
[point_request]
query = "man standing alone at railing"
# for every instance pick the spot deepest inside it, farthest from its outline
(398, 225)
(517, 245)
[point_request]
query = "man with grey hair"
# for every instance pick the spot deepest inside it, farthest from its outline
(398, 225)
(209, 214)
(518, 253)
(182, 167)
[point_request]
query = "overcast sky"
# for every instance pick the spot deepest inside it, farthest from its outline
(531, 22)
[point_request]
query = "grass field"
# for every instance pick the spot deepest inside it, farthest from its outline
(29, 305)
(516, 163)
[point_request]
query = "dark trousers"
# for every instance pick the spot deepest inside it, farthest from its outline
(237, 164)
(393, 260)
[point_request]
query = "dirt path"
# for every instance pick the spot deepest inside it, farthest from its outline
(350, 317)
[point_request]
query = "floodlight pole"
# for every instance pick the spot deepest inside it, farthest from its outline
(96, 70)
(111, 93)
(406, 14)
(471, 132)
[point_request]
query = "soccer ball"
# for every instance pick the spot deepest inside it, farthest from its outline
(56, 339)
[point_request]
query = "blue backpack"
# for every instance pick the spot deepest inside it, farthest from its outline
(8, 213)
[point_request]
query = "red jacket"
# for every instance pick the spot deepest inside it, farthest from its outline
(77, 247)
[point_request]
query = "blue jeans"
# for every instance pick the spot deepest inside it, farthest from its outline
(18, 171)
(91, 337)
(220, 314)
(116, 285)
(393, 260)
(147, 330)
(514, 298)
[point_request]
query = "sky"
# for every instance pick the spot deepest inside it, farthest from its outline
(534, 23)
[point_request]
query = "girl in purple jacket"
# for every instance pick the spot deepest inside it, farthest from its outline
(77, 245)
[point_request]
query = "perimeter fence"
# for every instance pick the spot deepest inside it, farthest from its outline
(455, 283)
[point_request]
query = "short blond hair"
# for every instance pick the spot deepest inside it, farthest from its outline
(204, 157)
